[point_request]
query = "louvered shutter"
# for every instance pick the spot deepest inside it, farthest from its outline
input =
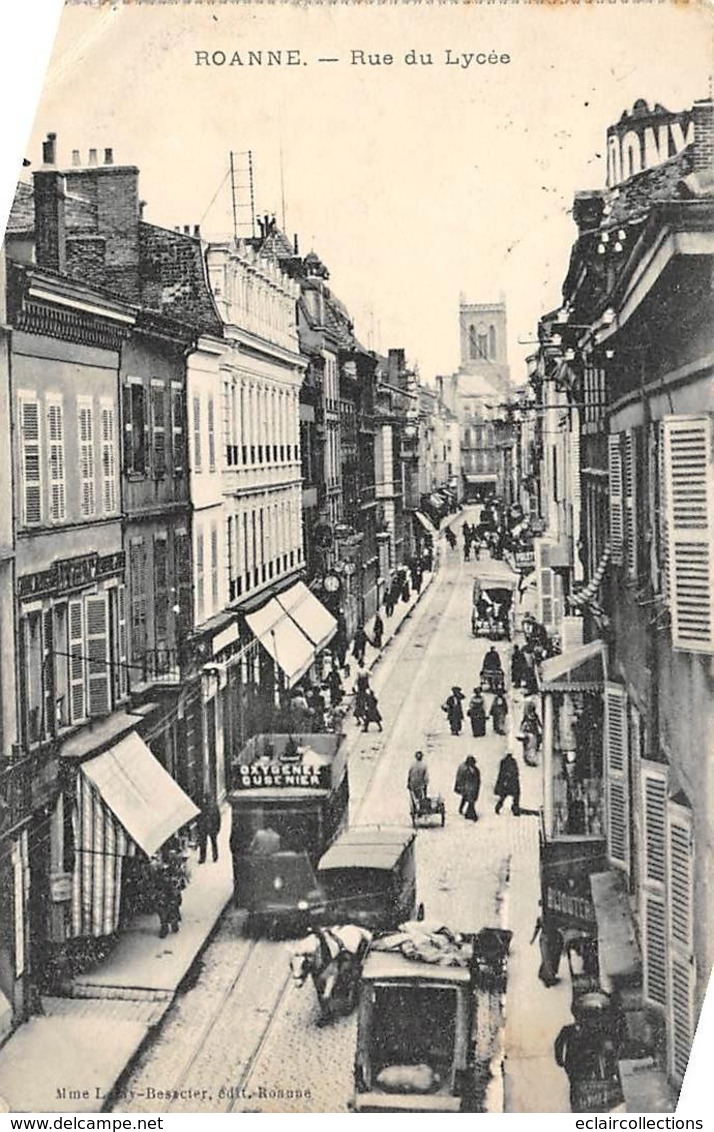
(158, 416)
(98, 669)
(629, 486)
(654, 875)
(31, 460)
(197, 433)
(200, 581)
(122, 682)
(55, 445)
(616, 498)
(576, 489)
(161, 593)
(86, 457)
(690, 506)
(545, 583)
(663, 511)
(75, 616)
(178, 428)
(617, 777)
(109, 469)
(681, 941)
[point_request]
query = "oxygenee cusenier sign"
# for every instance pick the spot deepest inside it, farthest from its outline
(281, 776)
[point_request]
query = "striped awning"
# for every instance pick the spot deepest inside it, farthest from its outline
(100, 847)
(588, 594)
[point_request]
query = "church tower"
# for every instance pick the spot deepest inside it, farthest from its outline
(484, 347)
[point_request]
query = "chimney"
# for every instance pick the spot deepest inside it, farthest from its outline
(92, 157)
(587, 210)
(49, 150)
(296, 246)
(187, 229)
(197, 231)
(108, 156)
(142, 206)
(50, 221)
(703, 118)
(76, 160)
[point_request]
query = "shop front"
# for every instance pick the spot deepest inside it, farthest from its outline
(573, 687)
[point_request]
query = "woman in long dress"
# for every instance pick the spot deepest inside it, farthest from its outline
(477, 715)
(531, 732)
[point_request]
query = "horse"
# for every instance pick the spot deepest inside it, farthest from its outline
(334, 958)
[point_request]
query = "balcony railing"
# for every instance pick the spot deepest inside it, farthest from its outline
(159, 666)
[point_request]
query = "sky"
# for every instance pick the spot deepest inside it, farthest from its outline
(415, 183)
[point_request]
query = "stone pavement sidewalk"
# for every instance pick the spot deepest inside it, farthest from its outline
(69, 1058)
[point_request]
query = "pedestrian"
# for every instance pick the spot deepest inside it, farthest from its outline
(359, 645)
(471, 787)
(299, 711)
(492, 662)
(208, 828)
(316, 702)
(530, 735)
(517, 667)
(508, 784)
(417, 580)
(477, 714)
(361, 688)
(499, 713)
(389, 599)
(418, 781)
(450, 537)
(377, 631)
(169, 876)
(333, 683)
(371, 710)
(550, 942)
(454, 710)
(462, 773)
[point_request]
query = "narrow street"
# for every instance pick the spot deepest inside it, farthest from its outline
(243, 1038)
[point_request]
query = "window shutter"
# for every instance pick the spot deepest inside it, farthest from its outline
(137, 582)
(76, 660)
(616, 500)
(200, 589)
(161, 592)
(122, 682)
(655, 950)
(109, 467)
(654, 875)
(178, 413)
(690, 505)
(184, 584)
(214, 566)
(630, 500)
(55, 444)
(86, 457)
(662, 516)
(681, 938)
(211, 436)
(158, 416)
(31, 460)
(197, 433)
(98, 668)
(616, 764)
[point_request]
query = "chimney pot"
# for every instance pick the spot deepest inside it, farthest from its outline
(187, 229)
(197, 230)
(92, 157)
(108, 156)
(142, 206)
(76, 160)
(296, 245)
(49, 150)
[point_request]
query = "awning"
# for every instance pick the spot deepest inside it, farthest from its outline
(282, 640)
(618, 951)
(578, 670)
(316, 622)
(426, 523)
(141, 795)
(589, 592)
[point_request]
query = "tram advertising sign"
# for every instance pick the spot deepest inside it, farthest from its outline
(565, 868)
(281, 776)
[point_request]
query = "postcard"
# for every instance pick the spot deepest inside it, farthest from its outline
(356, 557)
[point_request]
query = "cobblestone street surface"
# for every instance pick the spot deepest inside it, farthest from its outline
(244, 1037)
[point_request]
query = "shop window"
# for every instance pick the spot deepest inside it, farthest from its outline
(578, 802)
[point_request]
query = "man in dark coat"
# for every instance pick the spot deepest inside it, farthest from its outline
(418, 777)
(377, 631)
(499, 713)
(371, 710)
(359, 645)
(462, 773)
(454, 710)
(471, 787)
(208, 828)
(508, 784)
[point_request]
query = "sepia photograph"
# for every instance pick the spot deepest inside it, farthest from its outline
(356, 558)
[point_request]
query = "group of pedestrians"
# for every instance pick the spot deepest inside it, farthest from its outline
(470, 534)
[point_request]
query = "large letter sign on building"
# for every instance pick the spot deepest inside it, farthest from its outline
(644, 138)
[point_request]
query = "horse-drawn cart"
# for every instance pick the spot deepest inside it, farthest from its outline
(492, 610)
(419, 1048)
